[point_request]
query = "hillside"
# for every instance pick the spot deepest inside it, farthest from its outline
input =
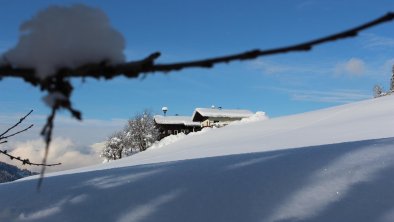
(329, 165)
(9, 172)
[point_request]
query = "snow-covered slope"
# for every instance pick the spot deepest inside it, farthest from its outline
(369, 119)
(335, 164)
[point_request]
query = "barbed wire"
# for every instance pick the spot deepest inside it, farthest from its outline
(60, 81)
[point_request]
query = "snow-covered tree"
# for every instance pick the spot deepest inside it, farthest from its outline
(114, 146)
(377, 91)
(141, 131)
(139, 134)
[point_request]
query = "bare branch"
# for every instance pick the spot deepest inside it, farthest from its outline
(5, 136)
(25, 161)
(27, 128)
(16, 124)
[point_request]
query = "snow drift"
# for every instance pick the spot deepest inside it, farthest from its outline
(335, 164)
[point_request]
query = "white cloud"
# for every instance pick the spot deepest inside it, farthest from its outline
(76, 143)
(63, 120)
(85, 132)
(326, 96)
(61, 150)
(353, 66)
(335, 96)
(370, 40)
(270, 67)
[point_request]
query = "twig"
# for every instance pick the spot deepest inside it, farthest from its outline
(12, 157)
(25, 161)
(27, 128)
(15, 125)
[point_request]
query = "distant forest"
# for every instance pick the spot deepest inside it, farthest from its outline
(9, 172)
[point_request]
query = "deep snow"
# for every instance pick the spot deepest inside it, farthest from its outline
(334, 164)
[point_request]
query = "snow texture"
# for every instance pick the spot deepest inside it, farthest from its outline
(216, 112)
(175, 138)
(183, 120)
(334, 164)
(66, 36)
(258, 116)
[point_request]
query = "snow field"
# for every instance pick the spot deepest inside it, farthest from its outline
(335, 164)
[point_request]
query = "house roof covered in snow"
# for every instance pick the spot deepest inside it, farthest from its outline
(215, 112)
(175, 120)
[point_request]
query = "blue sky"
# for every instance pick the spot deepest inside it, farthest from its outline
(331, 74)
(185, 30)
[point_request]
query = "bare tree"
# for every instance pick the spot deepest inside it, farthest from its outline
(377, 91)
(8, 133)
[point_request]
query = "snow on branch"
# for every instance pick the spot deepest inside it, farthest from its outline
(133, 69)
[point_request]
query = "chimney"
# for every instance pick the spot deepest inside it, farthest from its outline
(164, 109)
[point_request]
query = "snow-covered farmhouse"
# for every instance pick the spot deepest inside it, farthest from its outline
(202, 117)
(218, 117)
(172, 125)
